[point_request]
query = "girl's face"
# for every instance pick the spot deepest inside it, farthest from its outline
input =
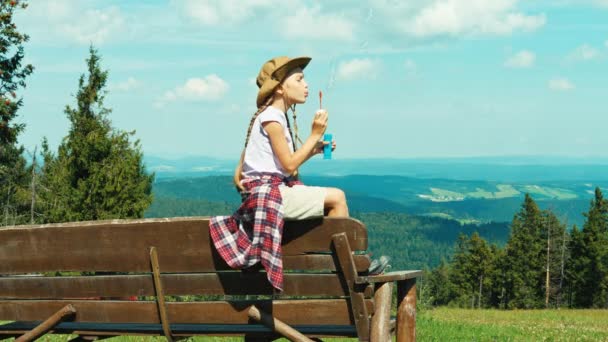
(294, 87)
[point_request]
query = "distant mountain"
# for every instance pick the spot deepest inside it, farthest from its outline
(503, 169)
(465, 201)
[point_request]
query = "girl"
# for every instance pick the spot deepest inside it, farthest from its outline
(267, 174)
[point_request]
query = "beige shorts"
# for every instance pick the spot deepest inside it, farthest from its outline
(302, 202)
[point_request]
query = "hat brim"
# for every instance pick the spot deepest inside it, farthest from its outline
(278, 76)
(299, 62)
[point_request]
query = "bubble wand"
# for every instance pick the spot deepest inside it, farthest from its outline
(327, 136)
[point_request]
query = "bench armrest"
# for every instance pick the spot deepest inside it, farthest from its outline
(386, 277)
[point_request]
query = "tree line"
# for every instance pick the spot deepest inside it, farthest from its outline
(97, 171)
(542, 265)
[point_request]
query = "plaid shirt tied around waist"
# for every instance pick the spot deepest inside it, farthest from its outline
(254, 232)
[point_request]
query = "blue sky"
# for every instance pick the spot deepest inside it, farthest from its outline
(401, 79)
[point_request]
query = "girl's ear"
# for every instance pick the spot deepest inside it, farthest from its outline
(279, 90)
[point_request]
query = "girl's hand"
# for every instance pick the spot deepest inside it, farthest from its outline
(321, 144)
(319, 123)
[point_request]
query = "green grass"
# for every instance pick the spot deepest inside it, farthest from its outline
(448, 324)
(445, 324)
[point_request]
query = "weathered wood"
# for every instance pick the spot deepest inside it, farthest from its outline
(380, 328)
(347, 264)
(121, 245)
(387, 277)
(221, 283)
(160, 295)
(103, 330)
(48, 324)
(406, 310)
(276, 325)
(306, 311)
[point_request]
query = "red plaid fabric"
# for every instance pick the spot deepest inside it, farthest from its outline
(254, 232)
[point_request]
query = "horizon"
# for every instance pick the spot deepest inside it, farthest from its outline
(430, 79)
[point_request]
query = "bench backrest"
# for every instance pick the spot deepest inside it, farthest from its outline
(188, 263)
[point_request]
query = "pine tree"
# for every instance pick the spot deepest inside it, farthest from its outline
(13, 173)
(471, 270)
(460, 276)
(440, 286)
(553, 233)
(97, 172)
(481, 267)
(575, 268)
(590, 257)
(525, 259)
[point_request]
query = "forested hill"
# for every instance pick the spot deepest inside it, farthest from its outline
(465, 201)
(412, 241)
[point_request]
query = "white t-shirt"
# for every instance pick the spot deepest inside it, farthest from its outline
(259, 156)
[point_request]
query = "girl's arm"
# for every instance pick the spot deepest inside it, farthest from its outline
(291, 161)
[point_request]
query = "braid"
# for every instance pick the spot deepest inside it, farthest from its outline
(259, 111)
(293, 141)
(295, 127)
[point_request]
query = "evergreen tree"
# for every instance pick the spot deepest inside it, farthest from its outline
(471, 270)
(553, 233)
(525, 259)
(13, 173)
(440, 286)
(481, 268)
(497, 290)
(460, 275)
(590, 256)
(97, 172)
(576, 266)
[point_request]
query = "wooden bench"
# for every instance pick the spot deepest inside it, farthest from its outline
(327, 289)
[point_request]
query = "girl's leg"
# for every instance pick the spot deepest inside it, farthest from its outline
(335, 203)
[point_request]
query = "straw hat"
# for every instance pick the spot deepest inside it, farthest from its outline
(274, 72)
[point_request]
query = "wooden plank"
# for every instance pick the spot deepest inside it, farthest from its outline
(221, 283)
(358, 307)
(380, 327)
(277, 325)
(386, 277)
(123, 245)
(311, 311)
(160, 294)
(150, 329)
(406, 310)
(48, 324)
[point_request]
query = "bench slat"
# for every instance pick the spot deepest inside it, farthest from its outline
(311, 311)
(183, 244)
(111, 329)
(222, 283)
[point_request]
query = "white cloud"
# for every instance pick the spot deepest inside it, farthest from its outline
(214, 12)
(313, 24)
(51, 21)
(210, 88)
(357, 69)
(522, 59)
(602, 3)
(585, 52)
(130, 84)
(430, 18)
(96, 26)
(560, 84)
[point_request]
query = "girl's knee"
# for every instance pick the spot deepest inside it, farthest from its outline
(335, 196)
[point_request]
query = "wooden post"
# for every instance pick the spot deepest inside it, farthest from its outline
(277, 325)
(382, 314)
(406, 310)
(347, 266)
(48, 324)
(160, 296)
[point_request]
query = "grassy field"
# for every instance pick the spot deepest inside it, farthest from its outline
(445, 324)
